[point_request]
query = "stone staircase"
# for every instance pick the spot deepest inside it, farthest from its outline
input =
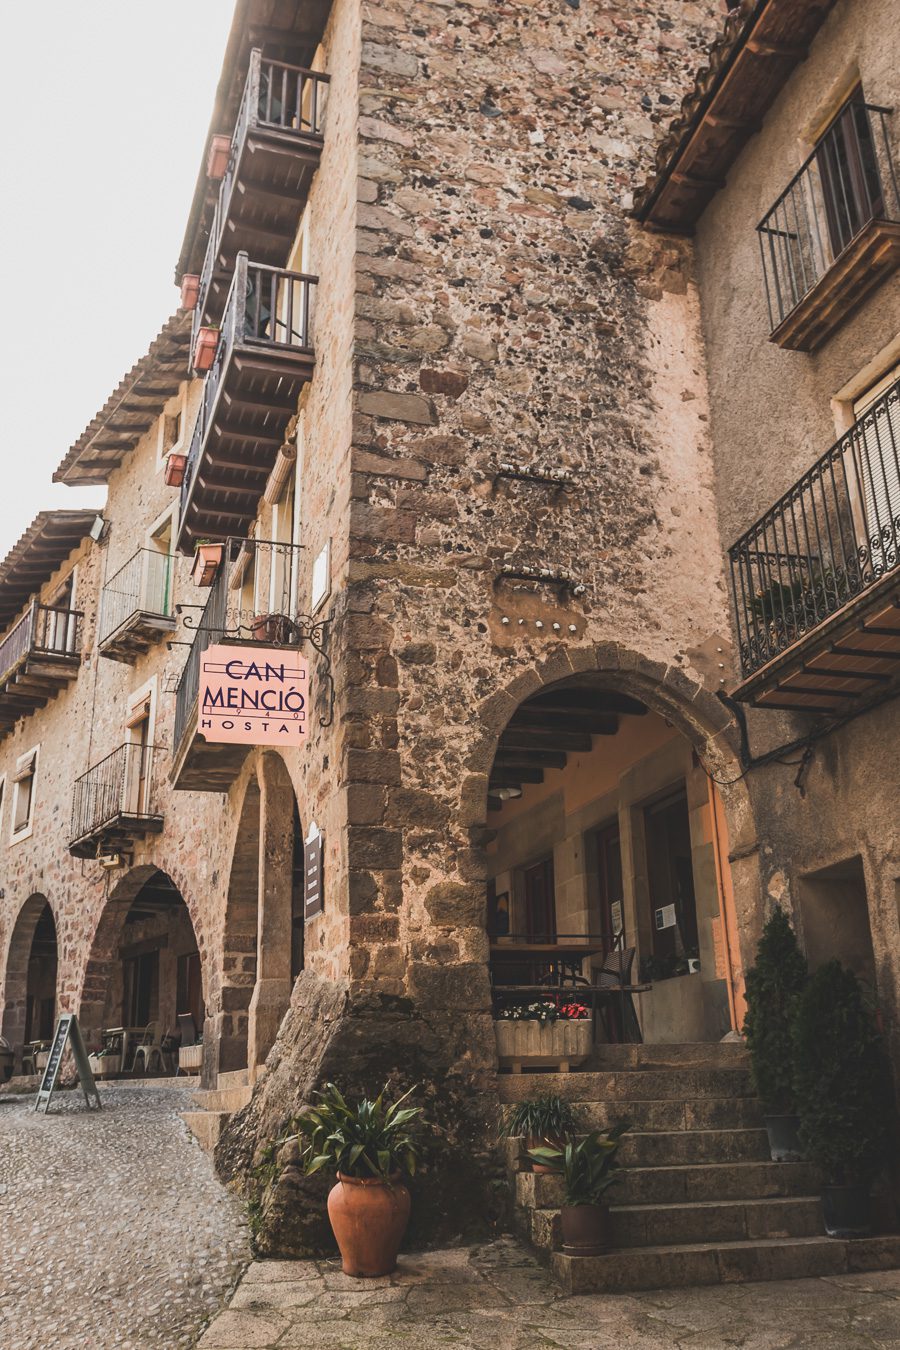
(701, 1202)
(215, 1106)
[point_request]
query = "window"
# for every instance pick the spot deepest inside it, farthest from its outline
(138, 760)
(670, 875)
(172, 425)
(159, 568)
(539, 893)
(23, 799)
(851, 186)
(611, 887)
(877, 447)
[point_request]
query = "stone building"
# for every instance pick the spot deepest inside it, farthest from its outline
(466, 433)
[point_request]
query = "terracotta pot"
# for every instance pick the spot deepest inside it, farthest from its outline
(532, 1141)
(190, 290)
(217, 158)
(586, 1229)
(175, 467)
(369, 1218)
(205, 348)
(272, 628)
(206, 564)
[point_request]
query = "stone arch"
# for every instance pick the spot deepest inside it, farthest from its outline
(689, 708)
(18, 959)
(95, 1009)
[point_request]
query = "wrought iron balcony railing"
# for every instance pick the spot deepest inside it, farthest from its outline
(267, 316)
(279, 101)
(847, 182)
(263, 571)
(114, 801)
(142, 586)
(42, 631)
(829, 539)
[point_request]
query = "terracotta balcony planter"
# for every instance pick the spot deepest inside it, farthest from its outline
(207, 560)
(205, 348)
(275, 628)
(175, 467)
(190, 290)
(543, 1044)
(217, 158)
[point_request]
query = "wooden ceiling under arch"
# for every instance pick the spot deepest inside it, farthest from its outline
(547, 728)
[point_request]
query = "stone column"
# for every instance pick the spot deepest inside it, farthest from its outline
(272, 992)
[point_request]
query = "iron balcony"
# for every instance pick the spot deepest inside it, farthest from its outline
(39, 656)
(113, 803)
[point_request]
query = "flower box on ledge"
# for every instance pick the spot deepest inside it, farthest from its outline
(217, 159)
(175, 467)
(105, 1066)
(207, 560)
(190, 290)
(532, 1043)
(205, 348)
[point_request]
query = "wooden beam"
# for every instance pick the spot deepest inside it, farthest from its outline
(509, 778)
(885, 654)
(878, 676)
(760, 47)
(513, 759)
(597, 724)
(533, 738)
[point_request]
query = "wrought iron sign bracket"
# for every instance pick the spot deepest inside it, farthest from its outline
(561, 479)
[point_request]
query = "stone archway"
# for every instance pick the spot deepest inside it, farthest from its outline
(518, 746)
(34, 922)
(146, 912)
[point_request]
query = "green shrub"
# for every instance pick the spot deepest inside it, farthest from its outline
(843, 1079)
(773, 986)
(546, 1117)
(358, 1139)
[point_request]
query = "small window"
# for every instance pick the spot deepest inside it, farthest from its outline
(2, 795)
(23, 800)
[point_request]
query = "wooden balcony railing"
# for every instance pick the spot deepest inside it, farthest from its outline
(282, 110)
(42, 631)
(833, 234)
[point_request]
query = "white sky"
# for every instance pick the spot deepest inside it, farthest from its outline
(104, 107)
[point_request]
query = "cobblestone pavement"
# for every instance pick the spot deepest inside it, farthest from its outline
(498, 1298)
(114, 1231)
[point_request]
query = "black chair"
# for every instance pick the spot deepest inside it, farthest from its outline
(613, 978)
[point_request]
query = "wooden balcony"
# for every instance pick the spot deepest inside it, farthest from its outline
(39, 656)
(136, 606)
(263, 359)
(112, 804)
(816, 581)
(257, 566)
(833, 236)
(274, 153)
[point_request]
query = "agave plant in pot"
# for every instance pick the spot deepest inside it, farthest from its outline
(844, 1094)
(370, 1144)
(589, 1167)
(773, 986)
(548, 1119)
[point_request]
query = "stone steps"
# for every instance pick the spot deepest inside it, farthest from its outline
(690, 1147)
(675, 1266)
(215, 1107)
(703, 1113)
(684, 1184)
(695, 1222)
(629, 1085)
(689, 1055)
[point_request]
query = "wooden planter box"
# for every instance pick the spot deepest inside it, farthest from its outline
(190, 1058)
(175, 467)
(543, 1044)
(105, 1066)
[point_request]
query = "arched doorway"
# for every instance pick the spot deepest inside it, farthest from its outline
(29, 1006)
(145, 967)
(608, 862)
(263, 939)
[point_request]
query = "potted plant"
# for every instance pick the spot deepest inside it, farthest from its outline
(773, 986)
(589, 1167)
(205, 347)
(369, 1143)
(276, 628)
(844, 1095)
(175, 467)
(190, 290)
(106, 1063)
(217, 158)
(547, 1119)
(207, 560)
(545, 1032)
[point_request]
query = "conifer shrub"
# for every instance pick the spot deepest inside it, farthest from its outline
(773, 986)
(842, 1079)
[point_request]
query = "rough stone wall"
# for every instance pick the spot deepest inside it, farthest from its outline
(505, 310)
(773, 416)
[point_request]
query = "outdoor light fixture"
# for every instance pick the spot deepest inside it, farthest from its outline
(507, 794)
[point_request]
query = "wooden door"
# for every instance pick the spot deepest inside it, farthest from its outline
(540, 902)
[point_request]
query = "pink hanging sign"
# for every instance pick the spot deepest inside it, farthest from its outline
(253, 695)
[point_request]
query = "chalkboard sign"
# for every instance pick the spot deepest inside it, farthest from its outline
(313, 897)
(67, 1030)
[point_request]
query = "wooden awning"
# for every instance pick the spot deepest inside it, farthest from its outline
(31, 561)
(762, 43)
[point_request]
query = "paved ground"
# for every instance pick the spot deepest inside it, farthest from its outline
(113, 1230)
(498, 1298)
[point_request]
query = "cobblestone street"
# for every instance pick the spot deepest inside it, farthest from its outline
(113, 1229)
(499, 1298)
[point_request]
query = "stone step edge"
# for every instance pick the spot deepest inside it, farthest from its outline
(693, 1205)
(577, 1273)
